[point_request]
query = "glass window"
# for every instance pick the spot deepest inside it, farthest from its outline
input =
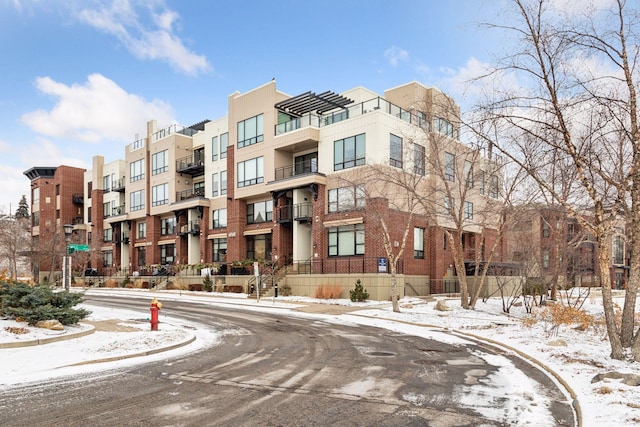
(618, 250)
(106, 210)
(215, 147)
(167, 253)
(349, 152)
(160, 194)
(223, 183)
(468, 173)
(250, 131)
(214, 185)
(250, 172)
(106, 181)
(224, 142)
(220, 250)
(545, 258)
(260, 212)
(198, 189)
(482, 182)
(107, 234)
(545, 229)
(468, 210)
(418, 159)
(449, 205)
(136, 170)
(142, 230)
(449, 167)
(159, 162)
(35, 195)
(142, 256)
(259, 247)
(443, 126)
(346, 198)
(219, 218)
(395, 151)
(167, 226)
(107, 258)
(418, 242)
(493, 191)
(346, 240)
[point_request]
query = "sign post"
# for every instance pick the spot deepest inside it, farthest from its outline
(256, 273)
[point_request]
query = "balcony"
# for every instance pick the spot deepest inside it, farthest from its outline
(118, 185)
(301, 168)
(301, 212)
(192, 228)
(189, 194)
(78, 199)
(118, 210)
(192, 165)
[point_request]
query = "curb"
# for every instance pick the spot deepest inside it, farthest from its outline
(132, 355)
(41, 341)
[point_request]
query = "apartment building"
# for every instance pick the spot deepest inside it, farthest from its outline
(281, 178)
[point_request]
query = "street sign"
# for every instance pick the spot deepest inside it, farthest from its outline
(79, 248)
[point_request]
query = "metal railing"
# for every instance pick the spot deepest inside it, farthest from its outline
(189, 194)
(297, 169)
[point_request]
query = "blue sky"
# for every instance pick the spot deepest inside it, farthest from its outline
(82, 77)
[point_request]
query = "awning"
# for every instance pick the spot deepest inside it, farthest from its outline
(309, 102)
(339, 222)
(256, 232)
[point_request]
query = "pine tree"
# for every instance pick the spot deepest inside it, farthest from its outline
(23, 208)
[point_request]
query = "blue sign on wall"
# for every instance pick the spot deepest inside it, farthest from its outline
(382, 265)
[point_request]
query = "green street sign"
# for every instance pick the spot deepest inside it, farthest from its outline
(76, 247)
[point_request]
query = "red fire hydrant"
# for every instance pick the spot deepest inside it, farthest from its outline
(155, 309)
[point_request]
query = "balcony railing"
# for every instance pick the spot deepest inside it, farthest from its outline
(189, 194)
(118, 185)
(192, 165)
(301, 168)
(193, 228)
(171, 129)
(78, 199)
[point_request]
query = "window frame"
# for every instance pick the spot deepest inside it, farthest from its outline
(395, 151)
(268, 214)
(418, 242)
(160, 162)
(245, 166)
(246, 124)
(136, 170)
(356, 144)
(345, 233)
(348, 198)
(156, 194)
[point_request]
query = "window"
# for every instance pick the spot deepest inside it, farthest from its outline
(215, 147)
(260, 212)
(214, 185)
(346, 198)
(468, 210)
(106, 180)
(307, 163)
(159, 162)
(349, 152)
(223, 183)
(142, 256)
(468, 173)
(35, 196)
(89, 213)
(107, 258)
(224, 142)
(90, 189)
(493, 191)
(198, 188)
(107, 235)
(482, 182)
(418, 242)
(250, 131)
(545, 258)
(418, 159)
(167, 226)
(106, 210)
(250, 172)
(545, 229)
(443, 126)
(220, 250)
(449, 167)
(160, 194)
(142, 230)
(346, 240)
(395, 151)
(136, 170)
(167, 253)
(449, 205)
(618, 250)
(259, 247)
(219, 218)
(57, 189)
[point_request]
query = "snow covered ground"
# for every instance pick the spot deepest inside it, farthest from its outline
(575, 356)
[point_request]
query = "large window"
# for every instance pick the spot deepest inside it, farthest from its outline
(449, 167)
(418, 242)
(136, 170)
(545, 258)
(618, 250)
(482, 182)
(250, 172)
(215, 185)
(219, 218)
(106, 210)
(167, 226)
(107, 258)
(346, 198)
(35, 195)
(250, 131)
(259, 247)
(260, 212)
(468, 210)
(468, 173)
(493, 191)
(142, 230)
(160, 194)
(443, 126)
(220, 250)
(159, 162)
(142, 256)
(349, 152)
(106, 183)
(167, 253)
(395, 151)
(215, 148)
(223, 183)
(107, 235)
(224, 143)
(418, 159)
(346, 240)
(449, 206)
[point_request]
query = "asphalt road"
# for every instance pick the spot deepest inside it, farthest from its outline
(274, 370)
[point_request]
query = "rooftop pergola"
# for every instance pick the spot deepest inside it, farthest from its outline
(309, 102)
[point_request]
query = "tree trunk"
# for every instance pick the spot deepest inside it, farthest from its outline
(394, 288)
(607, 302)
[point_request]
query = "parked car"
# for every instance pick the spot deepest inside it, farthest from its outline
(90, 272)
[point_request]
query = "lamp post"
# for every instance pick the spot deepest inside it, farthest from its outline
(66, 260)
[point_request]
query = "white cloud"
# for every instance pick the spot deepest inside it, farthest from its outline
(394, 55)
(159, 42)
(98, 110)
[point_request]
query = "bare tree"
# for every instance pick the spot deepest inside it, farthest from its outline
(575, 102)
(14, 242)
